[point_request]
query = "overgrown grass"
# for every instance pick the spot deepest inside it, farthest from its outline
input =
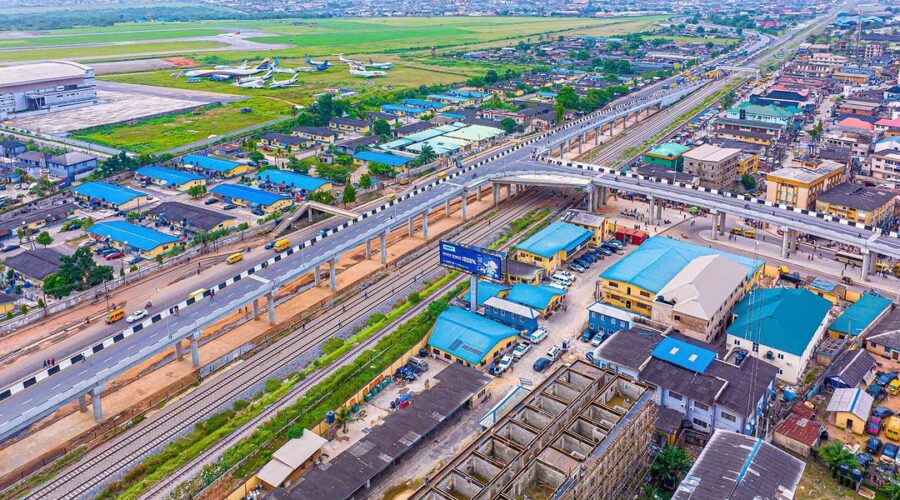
(519, 225)
(47, 474)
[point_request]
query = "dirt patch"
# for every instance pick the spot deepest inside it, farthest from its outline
(182, 62)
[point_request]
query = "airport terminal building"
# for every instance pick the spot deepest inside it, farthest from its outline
(45, 86)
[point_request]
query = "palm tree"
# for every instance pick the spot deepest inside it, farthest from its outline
(342, 419)
(427, 155)
(649, 492)
(834, 454)
(668, 464)
(891, 488)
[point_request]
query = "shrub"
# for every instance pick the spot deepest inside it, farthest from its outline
(332, 345)
(272, 385)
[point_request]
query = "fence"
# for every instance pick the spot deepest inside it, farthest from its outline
(14, 324)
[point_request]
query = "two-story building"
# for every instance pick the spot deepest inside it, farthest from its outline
(72, 166)
(553, 245)
(857, 203)
(800, 185)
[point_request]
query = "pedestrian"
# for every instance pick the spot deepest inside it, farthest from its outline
(52, 361)
(45, 363)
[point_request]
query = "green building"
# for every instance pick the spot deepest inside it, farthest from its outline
(668, 155)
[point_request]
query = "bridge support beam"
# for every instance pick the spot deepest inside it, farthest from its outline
(95, 401)
(82, 403)
(310, 211)
(786, 240)
(195, 349)
(332, 273)
(465, 204)
(270, 303)
(368, 249)
(722, 223)
(179, 350)
(590, 199)
(473, 293)
(425, 224)
(410, 226)
(478, 193)
(715, 221)
(256, 303)
(317, 271)
(604, 196)
(868, 264)
(447, 208)
(659, 211)
(581, 139)
(496, 190)
(383, 238)
(597, 135)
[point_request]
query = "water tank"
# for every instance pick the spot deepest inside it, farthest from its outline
(739, 357)
(789, 394)
(844, 469)
(856, 475)
(329, 417)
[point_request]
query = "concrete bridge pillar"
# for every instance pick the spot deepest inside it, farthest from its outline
(384, 247)
(478, 193)
(82, 403)
(715, 221)
(317, 271)
(256, 303)
(447, 208)
(868, 265)
(513, 189)
(425, 224)
(652, 216)
(659, 211)
(195, 349)
(270, 299)
(604, 196)
(310, 211)
(95, 401)
(590, 199)
(785, 242)
(581, 139)
(722, 223)
(496, 190)
(561, 150)
(332, 273)
(368, 249)
(410, 226)
(465, 204)
(179, 350)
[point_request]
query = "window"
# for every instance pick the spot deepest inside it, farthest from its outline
(677, 317)
(728, 417)
(701, 407)
(613, 284)
(700, 423)
(780, 356)
(675, 396)
(645, 294)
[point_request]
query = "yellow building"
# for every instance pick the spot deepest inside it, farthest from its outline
(849, 409)
(553, 245)
(105, 194)
(283, 142)
(7, 303)
(857, 203)
(800, 186)
(596, 224)
(748, 164)
(318, 135)
(349, 125)
(470, 339)
(132, 238)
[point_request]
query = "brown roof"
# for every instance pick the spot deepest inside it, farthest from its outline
(800, 429)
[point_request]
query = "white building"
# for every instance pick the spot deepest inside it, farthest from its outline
(45, 86)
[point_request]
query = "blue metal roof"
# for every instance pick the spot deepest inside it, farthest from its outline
(556, 237)
(457, 116)
(387, 108)
(292, 179)
(538, 297)
(486, 290)
(680, 353)
(422, 103)
(856, 318)
(108, 193)
(469, 93)
(387, 159)
(252, 195)
(467, 335)
(653, 264)
(140, 237)
(210, 163)
(448, 97)
(782, 318)
(168, 176)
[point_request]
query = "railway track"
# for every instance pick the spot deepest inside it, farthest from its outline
(125, 451)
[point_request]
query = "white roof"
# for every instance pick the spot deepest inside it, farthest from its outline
(700, 289)
(709, 152)
(513, 307)
(290, 457)
(41, 72)
(274, 473)
(855, 401)
(612, 312)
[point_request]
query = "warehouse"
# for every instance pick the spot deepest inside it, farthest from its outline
(191, 218)
(542, 298)
(553, 245)
(513, 314)
(130, 237)
(171, 178)
(366, 157)
(467, 338)
(252, 197)
(295, 181)
(215, 167)
(45, 86)
(109, 195)
(36, 219)
(860, 317)
(35, 265)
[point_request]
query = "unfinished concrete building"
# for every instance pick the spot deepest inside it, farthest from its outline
(583, 433)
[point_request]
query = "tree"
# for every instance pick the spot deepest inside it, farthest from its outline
(321, 197)
(426, 155)
(365, 180)
(748, 181)
(256, 156)
(560, 112)
(297, 165)
(349, 194)
(381, 127)
(727, 99)
(196, 191)
(20, 233)
(567, 98)
(44, 238)
(508, 125)
(834, 454)
(381, 169)
(56, 286)
(668, 464)
(816, 131)
(891, 488)
(342, 419)
(491, 77)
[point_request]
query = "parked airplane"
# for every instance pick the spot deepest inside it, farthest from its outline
(366, 73)
(275, 84)
(318, 65)
(363, 66)
(382, 65)
(231, 71)
(250, 83)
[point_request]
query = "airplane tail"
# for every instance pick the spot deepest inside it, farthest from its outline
(371, 61)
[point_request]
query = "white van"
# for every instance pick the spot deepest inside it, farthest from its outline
(557, 285)
(562, 278)
(537, 336)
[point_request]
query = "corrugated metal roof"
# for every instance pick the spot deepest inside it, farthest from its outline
(108, 193)
(682, 354)
(292, 179)
(168, 176)
(210, 163)
(538, 297)
(387, 159)
(467, 335)
(41, 72)
(780, 318)
(486, 290)
(136, 236)
(249, 194)
(856, 318)
(853, 400)
(554, 238)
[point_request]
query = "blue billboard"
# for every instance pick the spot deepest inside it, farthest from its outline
(474, 260)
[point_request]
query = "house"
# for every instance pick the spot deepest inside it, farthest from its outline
(318, 135)
(849, 409)
(667, 155)
(595, 223)
(553, 245)
(520, 272)
(779, 325)
(860, 317)
(434, 106)
(128, 237)
(604, 319)
(214, 167)
(32, 160)
(688, 377)
(34, 265)
(542, 298)
(246, 196)
(633, 282)
(282, 142)
(405, 111)
(350, 125)
(37, 219)
(72, 166)
(412, 128)
(716, 167)
(365, 158)
(114, 196)
(513, 314)
(292, 459)
(799, 432)
(738, 466)
(351, 146)
(698, 300)
(11, 149)
(782, 116)
(171, 178)
(294, 181)
(191, 218)
(857, 203)
(854, 368)
(800, 186)
(464, 337)
(391, 118)
(485, 290)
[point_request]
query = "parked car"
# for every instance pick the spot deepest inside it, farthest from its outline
(566, 274)
(557, 286)
(874, 426)
(114, 255)
(537, 336)
(605, 251)
(882, 412)
(889, 452)
(269, 245)
(577, 267)
(598, 339)
(884, 379)
(136, 316)
(9, 248)
(877, 392)
(541, 364)
(229, 206)
(504, 364)
(566, 278)
(615, 243)
(258, 211)
(586, 336)
(135, 260)
(210, 201)
(554, 353)
(873, 445)
(107, 250)
(894, 387)
(521, 349)
(864, 460)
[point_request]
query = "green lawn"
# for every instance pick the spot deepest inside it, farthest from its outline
(159, 134)
(73, 39)
(98, 53)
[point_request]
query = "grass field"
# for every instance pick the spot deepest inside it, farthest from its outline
(159, 134)
(73, 39)
(99, 52)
